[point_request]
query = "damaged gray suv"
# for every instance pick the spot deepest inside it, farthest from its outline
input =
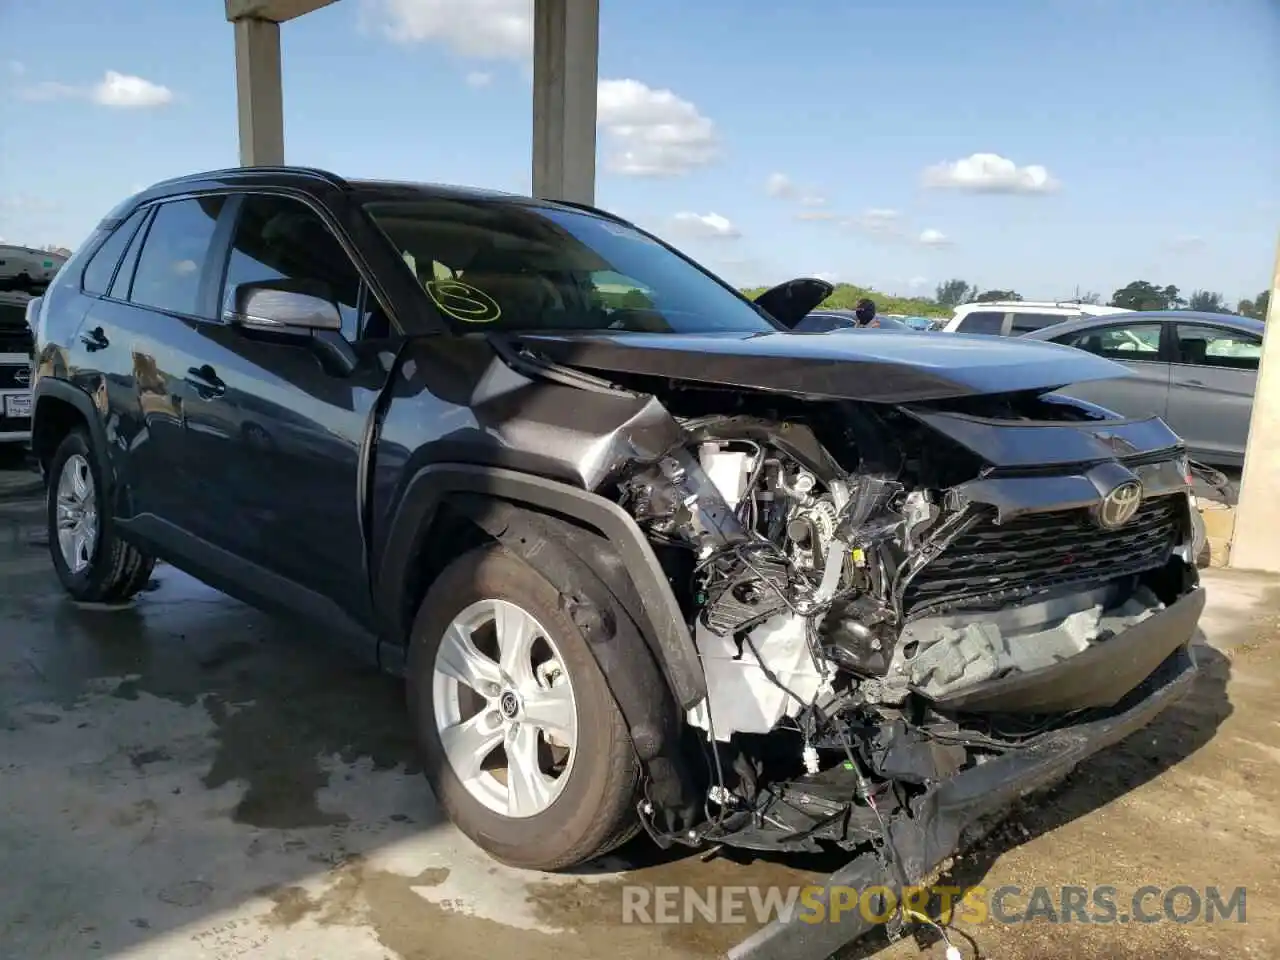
(647, 559)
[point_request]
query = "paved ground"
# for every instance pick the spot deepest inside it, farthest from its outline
(187, 778)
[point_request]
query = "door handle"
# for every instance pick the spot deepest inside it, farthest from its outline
(95, 339)
(206, 381)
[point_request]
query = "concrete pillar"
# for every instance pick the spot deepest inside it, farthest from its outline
(259, 94)
(1255, 544)
(566, 44)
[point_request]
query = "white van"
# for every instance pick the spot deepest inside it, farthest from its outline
(15, 369)
(1012, 318)
(24, 267)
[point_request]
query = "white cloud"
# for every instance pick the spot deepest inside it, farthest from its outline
(780, 185)
(878, 220)
(815, 215)
(479, 78)
(123, 90)
(784, 188)
(652, 133)
(990, 173)
(918, 283)
(934, 238)
(115, 89)
(708, 225)
(489, 29)
(1187, 242)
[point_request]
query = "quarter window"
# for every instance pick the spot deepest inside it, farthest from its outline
(279, 238)
(982, 321)
(174, 254)
(1216, 347)
(1135, 341)
(102, 265)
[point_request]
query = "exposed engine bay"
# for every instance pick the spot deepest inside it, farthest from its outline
(871, 620)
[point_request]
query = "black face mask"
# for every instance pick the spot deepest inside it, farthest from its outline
(865, 316)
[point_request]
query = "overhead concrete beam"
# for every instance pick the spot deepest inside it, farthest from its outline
(259, 92)
(277, 11)
(1255, 544)
(566, 44)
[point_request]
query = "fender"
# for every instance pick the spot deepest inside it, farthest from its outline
(661, 620)
(67, 392)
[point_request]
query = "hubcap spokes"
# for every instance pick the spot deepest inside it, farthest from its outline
(76, 513)
(505, 708)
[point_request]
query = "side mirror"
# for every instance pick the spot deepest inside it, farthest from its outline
(283, 306)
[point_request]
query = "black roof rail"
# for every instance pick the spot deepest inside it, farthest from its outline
(314, 172)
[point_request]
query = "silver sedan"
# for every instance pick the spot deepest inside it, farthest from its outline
(1197, 371)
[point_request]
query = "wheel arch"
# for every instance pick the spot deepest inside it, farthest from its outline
(504, 505)
(58, 409)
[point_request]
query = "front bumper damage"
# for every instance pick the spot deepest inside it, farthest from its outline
(939, 819)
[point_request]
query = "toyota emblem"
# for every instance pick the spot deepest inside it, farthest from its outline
(22, 376)
(1119, 506)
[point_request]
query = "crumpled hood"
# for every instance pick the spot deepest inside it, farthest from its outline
(880, 366)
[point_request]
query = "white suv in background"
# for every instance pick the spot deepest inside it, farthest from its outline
(15, 369)
(1012, 318)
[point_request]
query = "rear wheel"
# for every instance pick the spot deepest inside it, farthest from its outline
(92, 562)
(521, 739)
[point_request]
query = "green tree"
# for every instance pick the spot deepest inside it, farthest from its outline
(845, 296)
(1141, 295)
(993, 295)
(1207, 301)
(1257, 307)
(953, 293)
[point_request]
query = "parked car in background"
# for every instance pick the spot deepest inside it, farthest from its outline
(820, 321)
(1197, 371)
(15, 369)
(1012, 318)
(27, 268)
(918, 323)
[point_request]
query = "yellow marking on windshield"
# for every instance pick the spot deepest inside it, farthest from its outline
(462, 301)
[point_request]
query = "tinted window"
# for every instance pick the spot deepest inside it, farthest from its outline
(982, 321)
(822, 323)
(519, 266)
(173, 255)
(102, 265)
(124, 276)
(1026, 322)
(1216, 347)
(1134, 341)
(279, 238)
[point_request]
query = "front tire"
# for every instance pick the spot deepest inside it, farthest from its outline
(93, 563)
(521, 739)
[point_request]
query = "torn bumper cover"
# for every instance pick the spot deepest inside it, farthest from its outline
(941, 817)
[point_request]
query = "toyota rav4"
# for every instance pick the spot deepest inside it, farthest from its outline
(647, 559)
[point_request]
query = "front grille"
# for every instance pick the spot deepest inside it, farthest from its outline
(990, 562)
(15, 376)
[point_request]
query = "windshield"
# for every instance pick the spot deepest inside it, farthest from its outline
(512, 266)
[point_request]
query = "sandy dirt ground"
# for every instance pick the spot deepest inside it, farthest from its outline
(189, 778)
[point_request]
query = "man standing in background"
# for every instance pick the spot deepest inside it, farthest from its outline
(865, 311)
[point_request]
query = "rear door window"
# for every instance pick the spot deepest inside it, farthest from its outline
(1217, 347)
(1130, 341)
(173, 255)
(1027, 322)
(982, 321)
(101, 267)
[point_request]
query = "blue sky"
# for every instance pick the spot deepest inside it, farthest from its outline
(1040, 145)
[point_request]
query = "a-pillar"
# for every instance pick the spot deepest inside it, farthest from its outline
(566, 44)
(1255, 542)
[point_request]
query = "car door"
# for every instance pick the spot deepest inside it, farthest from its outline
(281, 429)
(150, 279)
(1139, 346)
(1214, 373)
